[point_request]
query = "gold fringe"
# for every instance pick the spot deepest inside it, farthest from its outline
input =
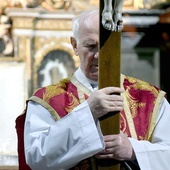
(47, 106)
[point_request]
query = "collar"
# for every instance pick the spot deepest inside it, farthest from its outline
(80, 76)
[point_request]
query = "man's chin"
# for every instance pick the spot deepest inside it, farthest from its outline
(94, 77)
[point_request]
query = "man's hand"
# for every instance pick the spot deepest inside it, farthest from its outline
(117, 147)
(105, 100)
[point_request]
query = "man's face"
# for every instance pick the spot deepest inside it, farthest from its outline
(87, 47)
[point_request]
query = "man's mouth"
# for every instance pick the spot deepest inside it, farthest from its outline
(95, 65)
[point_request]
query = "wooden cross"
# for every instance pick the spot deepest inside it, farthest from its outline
(109, 66)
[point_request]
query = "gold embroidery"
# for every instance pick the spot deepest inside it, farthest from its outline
(74, 102)
(54, 90)
(128, 112)
(63, 83)
(134, 105)
(50, 92)
(141, 137)
(142, 85)
(138, 85)
(129, 117)
(123, 123)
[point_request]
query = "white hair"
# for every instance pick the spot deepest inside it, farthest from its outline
(80, 19)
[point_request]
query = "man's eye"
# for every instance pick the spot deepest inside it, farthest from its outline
(91, 46)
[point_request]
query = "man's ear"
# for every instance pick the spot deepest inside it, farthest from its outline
(74, 45)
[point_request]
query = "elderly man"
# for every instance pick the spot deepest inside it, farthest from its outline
(62, 129)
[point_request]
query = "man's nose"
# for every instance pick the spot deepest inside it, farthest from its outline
(96, 55)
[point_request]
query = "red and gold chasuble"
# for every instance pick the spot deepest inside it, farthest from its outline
(141, 104)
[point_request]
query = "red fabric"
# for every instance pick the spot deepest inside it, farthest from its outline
(20, 134)
(141, 97)
(54, 95)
